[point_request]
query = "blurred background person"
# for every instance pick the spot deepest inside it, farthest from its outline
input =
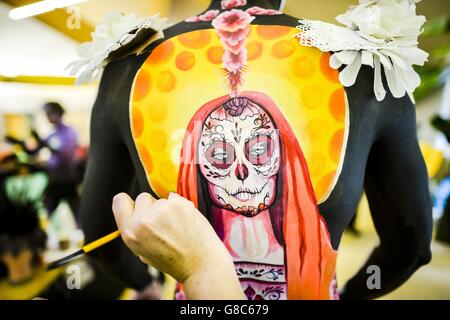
(63, 165)
(22, 239)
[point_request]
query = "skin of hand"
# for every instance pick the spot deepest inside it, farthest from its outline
(174, 237)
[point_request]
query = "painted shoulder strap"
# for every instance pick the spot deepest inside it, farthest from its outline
(119, 36)
(377, 33)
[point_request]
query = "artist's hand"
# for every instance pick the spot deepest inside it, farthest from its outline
(174, 237)
(169, 234)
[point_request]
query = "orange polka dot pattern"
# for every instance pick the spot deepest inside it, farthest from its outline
(185, 72)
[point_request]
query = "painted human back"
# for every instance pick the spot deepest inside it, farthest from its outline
(256, 154)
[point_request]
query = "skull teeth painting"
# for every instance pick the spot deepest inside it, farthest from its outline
(239, 156)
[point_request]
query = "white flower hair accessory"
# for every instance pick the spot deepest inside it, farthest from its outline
(119, 33)
(378, 33)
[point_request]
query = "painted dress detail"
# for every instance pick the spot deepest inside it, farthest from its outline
(252, 128)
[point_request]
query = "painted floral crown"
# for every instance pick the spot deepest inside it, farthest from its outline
(379, 33)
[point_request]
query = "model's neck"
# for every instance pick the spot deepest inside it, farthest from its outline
(266, 4)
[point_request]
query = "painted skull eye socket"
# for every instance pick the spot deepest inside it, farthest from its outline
(220, 154)
(259, 150)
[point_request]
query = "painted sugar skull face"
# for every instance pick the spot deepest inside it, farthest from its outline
(239, 156)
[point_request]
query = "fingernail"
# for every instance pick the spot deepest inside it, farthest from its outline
(117, 198)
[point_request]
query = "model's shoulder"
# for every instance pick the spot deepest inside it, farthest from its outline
(117, 37)
(364, 38)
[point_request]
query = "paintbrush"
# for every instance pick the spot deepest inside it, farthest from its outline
(86, 249)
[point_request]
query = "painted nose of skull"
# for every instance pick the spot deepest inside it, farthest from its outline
(241, 171)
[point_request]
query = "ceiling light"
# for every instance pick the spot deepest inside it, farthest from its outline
(40, 7)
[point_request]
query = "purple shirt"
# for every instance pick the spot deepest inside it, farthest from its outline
(63, 143)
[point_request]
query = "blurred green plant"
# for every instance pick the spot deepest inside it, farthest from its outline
(439, 61)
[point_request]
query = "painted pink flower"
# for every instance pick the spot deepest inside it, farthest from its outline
(230, 4)
(234, 42)
(233, 28)
(233, 38)
(236, 48)
(209, 15)
(234, 62)
(256, 11)
(232, 21)
(193, 19)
